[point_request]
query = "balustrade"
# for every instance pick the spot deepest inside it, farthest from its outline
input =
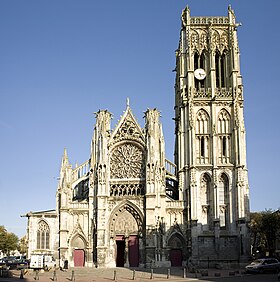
(223, 93)
(175, 204)
(208, 20)
(170, 167)
(204, 93)
(81, 170)
(79, 206)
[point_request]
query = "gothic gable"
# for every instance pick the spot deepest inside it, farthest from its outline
(127, 129)
(77, 236)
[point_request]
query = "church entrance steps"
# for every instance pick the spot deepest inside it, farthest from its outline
(86, 274)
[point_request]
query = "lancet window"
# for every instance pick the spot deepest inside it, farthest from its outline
(224, 137)
(202, 137)
(223, 189)
(221, 67)
(43, 236)
(207, 202)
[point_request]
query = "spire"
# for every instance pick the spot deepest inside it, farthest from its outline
(185, 16)
(65, 160)
(127, 102)
(64, 163)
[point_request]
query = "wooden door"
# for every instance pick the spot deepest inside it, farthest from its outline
(79, 258)
(176, 257)
(133, 251)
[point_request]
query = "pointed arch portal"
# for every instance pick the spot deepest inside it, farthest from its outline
(125, 226)
(176, 250)
(78, 245)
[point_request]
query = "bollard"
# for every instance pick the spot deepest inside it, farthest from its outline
(184, 273)
(73, 276)
(36, 275)
(21, 274)
(168, 273)
(54, 276)
(133, 274)
(152, 274)
(115, 275)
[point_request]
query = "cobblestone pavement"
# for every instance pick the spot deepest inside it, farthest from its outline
(120, 274)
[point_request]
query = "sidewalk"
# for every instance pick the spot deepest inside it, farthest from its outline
(120, 274)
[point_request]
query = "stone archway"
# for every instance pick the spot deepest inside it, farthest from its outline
(125, 228)
(176, 250)
(78, 246)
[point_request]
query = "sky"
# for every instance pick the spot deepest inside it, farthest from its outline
(61, 61)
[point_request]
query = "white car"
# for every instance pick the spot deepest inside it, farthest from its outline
(263, 265)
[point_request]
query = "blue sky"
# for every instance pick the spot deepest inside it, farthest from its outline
(61, 61)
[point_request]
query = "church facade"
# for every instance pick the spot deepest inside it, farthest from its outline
(128, 206)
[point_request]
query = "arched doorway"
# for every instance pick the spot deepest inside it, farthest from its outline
(125, 227)
(127, 249)
(78, 246)
(176, 250)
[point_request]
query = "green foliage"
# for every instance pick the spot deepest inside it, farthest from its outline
(8, 241)
(265, 228)
(23, 245)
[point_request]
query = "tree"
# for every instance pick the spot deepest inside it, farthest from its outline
(264, 227)
(257, 236)
(23, 245)
(270, 227)
(3, 233)
(8, 241)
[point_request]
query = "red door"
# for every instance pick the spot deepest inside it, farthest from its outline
(176, 257)
(133, 251)
(79, 258)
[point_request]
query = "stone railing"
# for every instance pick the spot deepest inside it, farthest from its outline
(170, 167)
(204, 93)
(78, 206)
(175, 204)
(208, 20)
(80, 171)
(223, 93)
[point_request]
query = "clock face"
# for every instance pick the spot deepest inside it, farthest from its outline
(199, 74)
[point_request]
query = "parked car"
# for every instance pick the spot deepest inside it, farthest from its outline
(12, 262)
(22, 264)
(8, 262)
(263, 265)
(3, 264)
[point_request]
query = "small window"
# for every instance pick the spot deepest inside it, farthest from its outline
(202, 144)
(224, 146)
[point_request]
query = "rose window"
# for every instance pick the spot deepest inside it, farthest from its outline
(127, 162)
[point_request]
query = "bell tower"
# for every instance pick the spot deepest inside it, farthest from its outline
(210, 148)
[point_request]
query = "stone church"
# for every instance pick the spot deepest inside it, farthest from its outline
(128, 206)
